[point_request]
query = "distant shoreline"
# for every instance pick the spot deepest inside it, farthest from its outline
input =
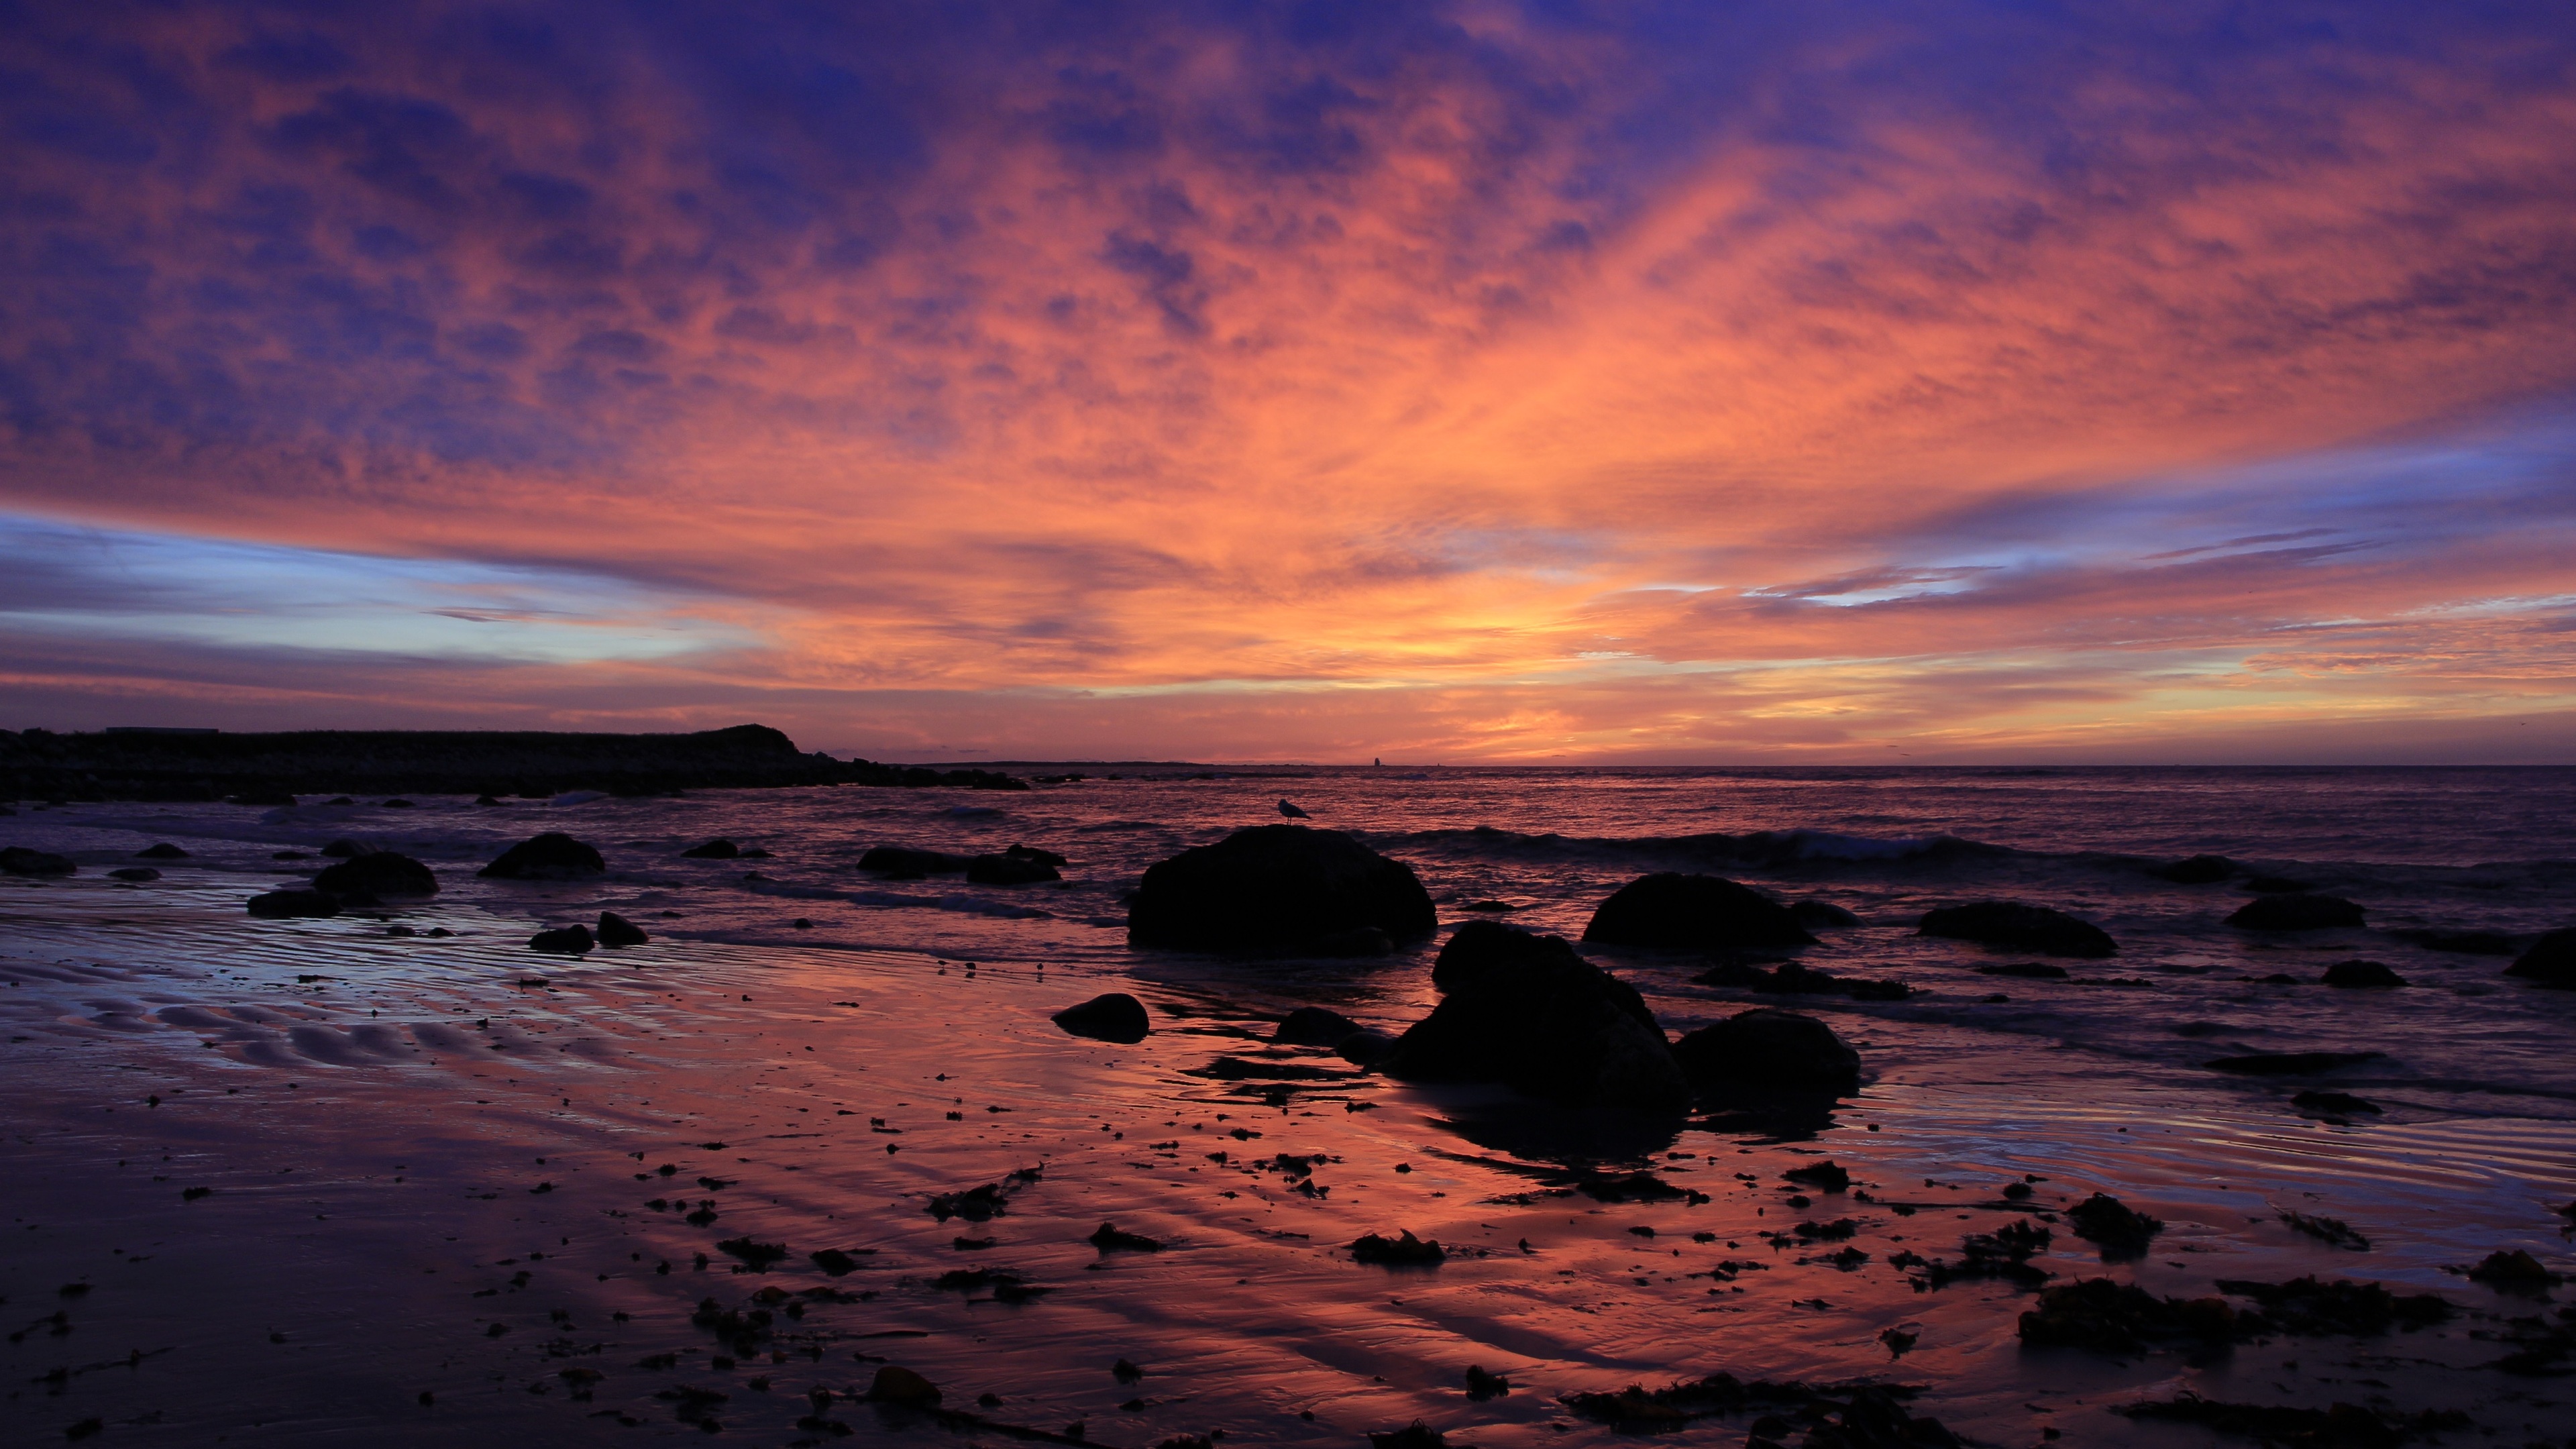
(276, 768)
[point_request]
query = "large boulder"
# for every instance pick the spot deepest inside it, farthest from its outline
(1114, 1016)
(1526, 1011)
(2551, 961)
(378, 873)
(2300, 911)
(2013, 926)
(19, 860)
(2195, 870)
(1698, 912)
(1768, 1048)
(551, 856)
(1277, 887)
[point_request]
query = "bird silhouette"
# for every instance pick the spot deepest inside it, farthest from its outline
(1291, 811)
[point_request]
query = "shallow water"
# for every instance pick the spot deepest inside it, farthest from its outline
(356, 1214)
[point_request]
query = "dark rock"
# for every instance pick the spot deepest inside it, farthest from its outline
(1407, 1251)
(716, 849)
(2514, 1269)
(758, 1256)
(1699, 912)
(1314, 1026)
(1009, 870)
(2278, 885)
(2550, 962)
(1359, 942)
(837, 1262)
(1764, 1047)
(984, 1203)
(1482, 1385)
(2300, 912)
(1821, 915)
(378, 873)
(2119, 1230)
(906, 864)
(2361, 973)
(2458, 943)
(1416, 1435)
(164, 851)
(18, 860)
(551, 856)
(2289, 1064)
(1528, 1012)
(895, 1384)
(1114, 1016)
(1108, 1239)
(2011, 925)
(1364, 1048)
(616, 930)
(1031, 852)
(564, 941)
(281, 905)
(2307, 1307)
(2195, 870)
(2028, 970)
(1277, 887)
(487, 799)
(135, 873)
(1825, 1176)
(346, 849)
(399, 805)
(2111, 1317)
(2340, 1103)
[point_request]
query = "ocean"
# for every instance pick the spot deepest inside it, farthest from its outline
(888, 1041)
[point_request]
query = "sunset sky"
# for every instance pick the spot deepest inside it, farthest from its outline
(1713, 383)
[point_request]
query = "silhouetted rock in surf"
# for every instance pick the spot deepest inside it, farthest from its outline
(1314, 1026)
(1277, 888)
(2551, 961)
(551, 856)
(2299, 911)
(616, 930)
(2014, 926)
(716, 849)
(284, 905)
(19, 860)
(1693, 912)
(2195, 870)
(1114, 1016)
(1009, 870)
(1821, 915)
(563, 941)
(2361, 973)
(379, 873)
(1768, 1048)
(1528, 1012)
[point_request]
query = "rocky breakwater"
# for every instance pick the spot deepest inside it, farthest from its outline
(271, 769)
(1281, 889)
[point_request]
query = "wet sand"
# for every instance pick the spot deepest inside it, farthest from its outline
(429, 1169)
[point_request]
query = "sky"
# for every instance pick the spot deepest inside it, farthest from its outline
(2112, 382)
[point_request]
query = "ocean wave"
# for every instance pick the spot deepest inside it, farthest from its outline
(1766, 848)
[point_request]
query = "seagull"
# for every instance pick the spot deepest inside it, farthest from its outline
(1291, 811)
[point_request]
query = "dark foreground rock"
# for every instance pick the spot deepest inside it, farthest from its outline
(1768, 1048)
(1277, 888)
(1796, 978)
(1672, 911)
(2551, 961)
(551, 856)
(616, 930)
(1528, 1012)
(2014, 926)
(380, 873)
(1115, 1016)
(19, 860)
(285, 905)
(270, 769)
(563, 941)
(2298, 911)
(2362, 974)
(1314, 1026)
(134, 874)
(2119, 1230)
(716, 849)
